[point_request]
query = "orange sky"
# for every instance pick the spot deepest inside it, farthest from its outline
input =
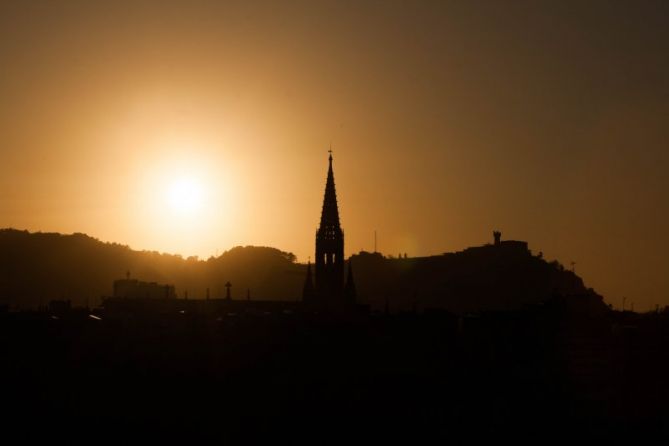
(546, 120)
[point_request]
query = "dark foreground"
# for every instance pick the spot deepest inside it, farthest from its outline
(541, 375)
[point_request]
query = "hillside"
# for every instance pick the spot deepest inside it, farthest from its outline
(38, 267)
(489, 277)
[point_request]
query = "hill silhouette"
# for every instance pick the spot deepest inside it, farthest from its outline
(484, 278)
(38, 267)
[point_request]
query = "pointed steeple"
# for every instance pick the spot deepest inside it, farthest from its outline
(329, 263)
(330, 214)
(308, 292)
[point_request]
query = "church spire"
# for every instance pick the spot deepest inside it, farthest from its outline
(329, 264)
(330, 226)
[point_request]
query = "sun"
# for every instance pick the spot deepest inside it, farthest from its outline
(185, 200)
(186, 196)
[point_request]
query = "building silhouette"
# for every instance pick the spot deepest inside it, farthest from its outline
(135, 289)
(329, 288)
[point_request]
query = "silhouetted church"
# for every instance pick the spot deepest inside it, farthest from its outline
(329, 288)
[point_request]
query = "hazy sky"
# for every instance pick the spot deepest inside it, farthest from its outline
(546, 120)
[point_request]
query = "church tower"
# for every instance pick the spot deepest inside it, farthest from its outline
(329, 245)
(328, 287)
(329, 264)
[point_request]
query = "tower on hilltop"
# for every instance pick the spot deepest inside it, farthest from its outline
(329, 262)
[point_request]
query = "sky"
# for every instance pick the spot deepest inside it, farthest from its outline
(192, 127)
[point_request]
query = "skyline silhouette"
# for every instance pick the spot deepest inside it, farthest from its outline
(504, 275)
(514, 333)
(488, 265)
(326, 286)
(189, 129)
(488, 342)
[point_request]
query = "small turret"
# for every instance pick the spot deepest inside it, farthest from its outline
(308, 292)
(498, 237)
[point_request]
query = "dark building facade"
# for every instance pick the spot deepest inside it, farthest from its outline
(329, 262)
(136, 289)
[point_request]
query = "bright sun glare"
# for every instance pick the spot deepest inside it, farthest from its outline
(186, 196)
(180, 205)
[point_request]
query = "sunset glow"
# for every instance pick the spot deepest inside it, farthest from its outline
(262, 221)
(193, 130)
(186, 196)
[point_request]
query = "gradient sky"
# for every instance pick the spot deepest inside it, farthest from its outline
(546, 120)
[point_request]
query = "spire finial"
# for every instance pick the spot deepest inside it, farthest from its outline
(330, 152)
